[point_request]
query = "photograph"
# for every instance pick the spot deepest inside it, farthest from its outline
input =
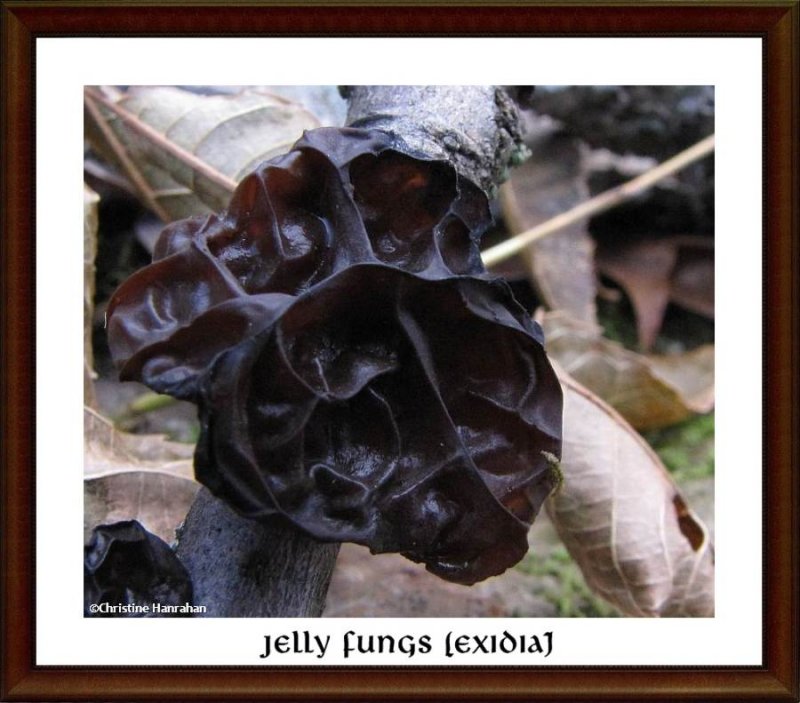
(433, 352)
(291, 336)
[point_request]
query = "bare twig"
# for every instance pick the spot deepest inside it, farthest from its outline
(599, 203)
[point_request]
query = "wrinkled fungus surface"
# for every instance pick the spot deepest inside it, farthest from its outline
(356, 370)
(125, 565)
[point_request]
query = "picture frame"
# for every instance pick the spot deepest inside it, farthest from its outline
(776, 679)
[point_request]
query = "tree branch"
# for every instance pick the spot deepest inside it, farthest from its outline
(245, 569)
(475, 128)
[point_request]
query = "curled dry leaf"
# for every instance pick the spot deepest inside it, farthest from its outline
(550, 182)
(654, 272)
(693, 276)
(90, 200)
(691, 373)
(624, 521)
(649, 391)
(109, 451)
(135, 477)
(229, 134)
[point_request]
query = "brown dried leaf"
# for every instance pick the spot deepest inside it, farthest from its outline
(623, 519)
(157, 500)
(135, 477)
(654, 272)
(230, 134)
(550, 182)
(693, 276)
(691, 373)
(648, 391)
(109, 451)
(90, 201)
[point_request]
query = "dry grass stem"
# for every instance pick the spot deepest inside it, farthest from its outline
(599, 203)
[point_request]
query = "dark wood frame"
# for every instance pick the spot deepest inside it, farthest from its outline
(775, 22)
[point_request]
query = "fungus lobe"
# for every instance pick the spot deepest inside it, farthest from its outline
(132, 572)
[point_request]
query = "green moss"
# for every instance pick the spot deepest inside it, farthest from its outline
(617, 321)
(687, 449)
(570, 595)
(556, 474)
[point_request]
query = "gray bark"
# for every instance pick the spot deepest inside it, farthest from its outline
(242, 568)
(475, 128)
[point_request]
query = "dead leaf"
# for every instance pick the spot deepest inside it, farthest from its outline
(691, 373)
(158, 501)
(135, 477)
(108, 451)
(228, 135)
(649, 391)
(654, 272)
(623, 519)
(90, 201)
(693, 276)
(550, 182)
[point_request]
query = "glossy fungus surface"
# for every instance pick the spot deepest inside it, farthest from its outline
(356, 370)
(127, 570)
